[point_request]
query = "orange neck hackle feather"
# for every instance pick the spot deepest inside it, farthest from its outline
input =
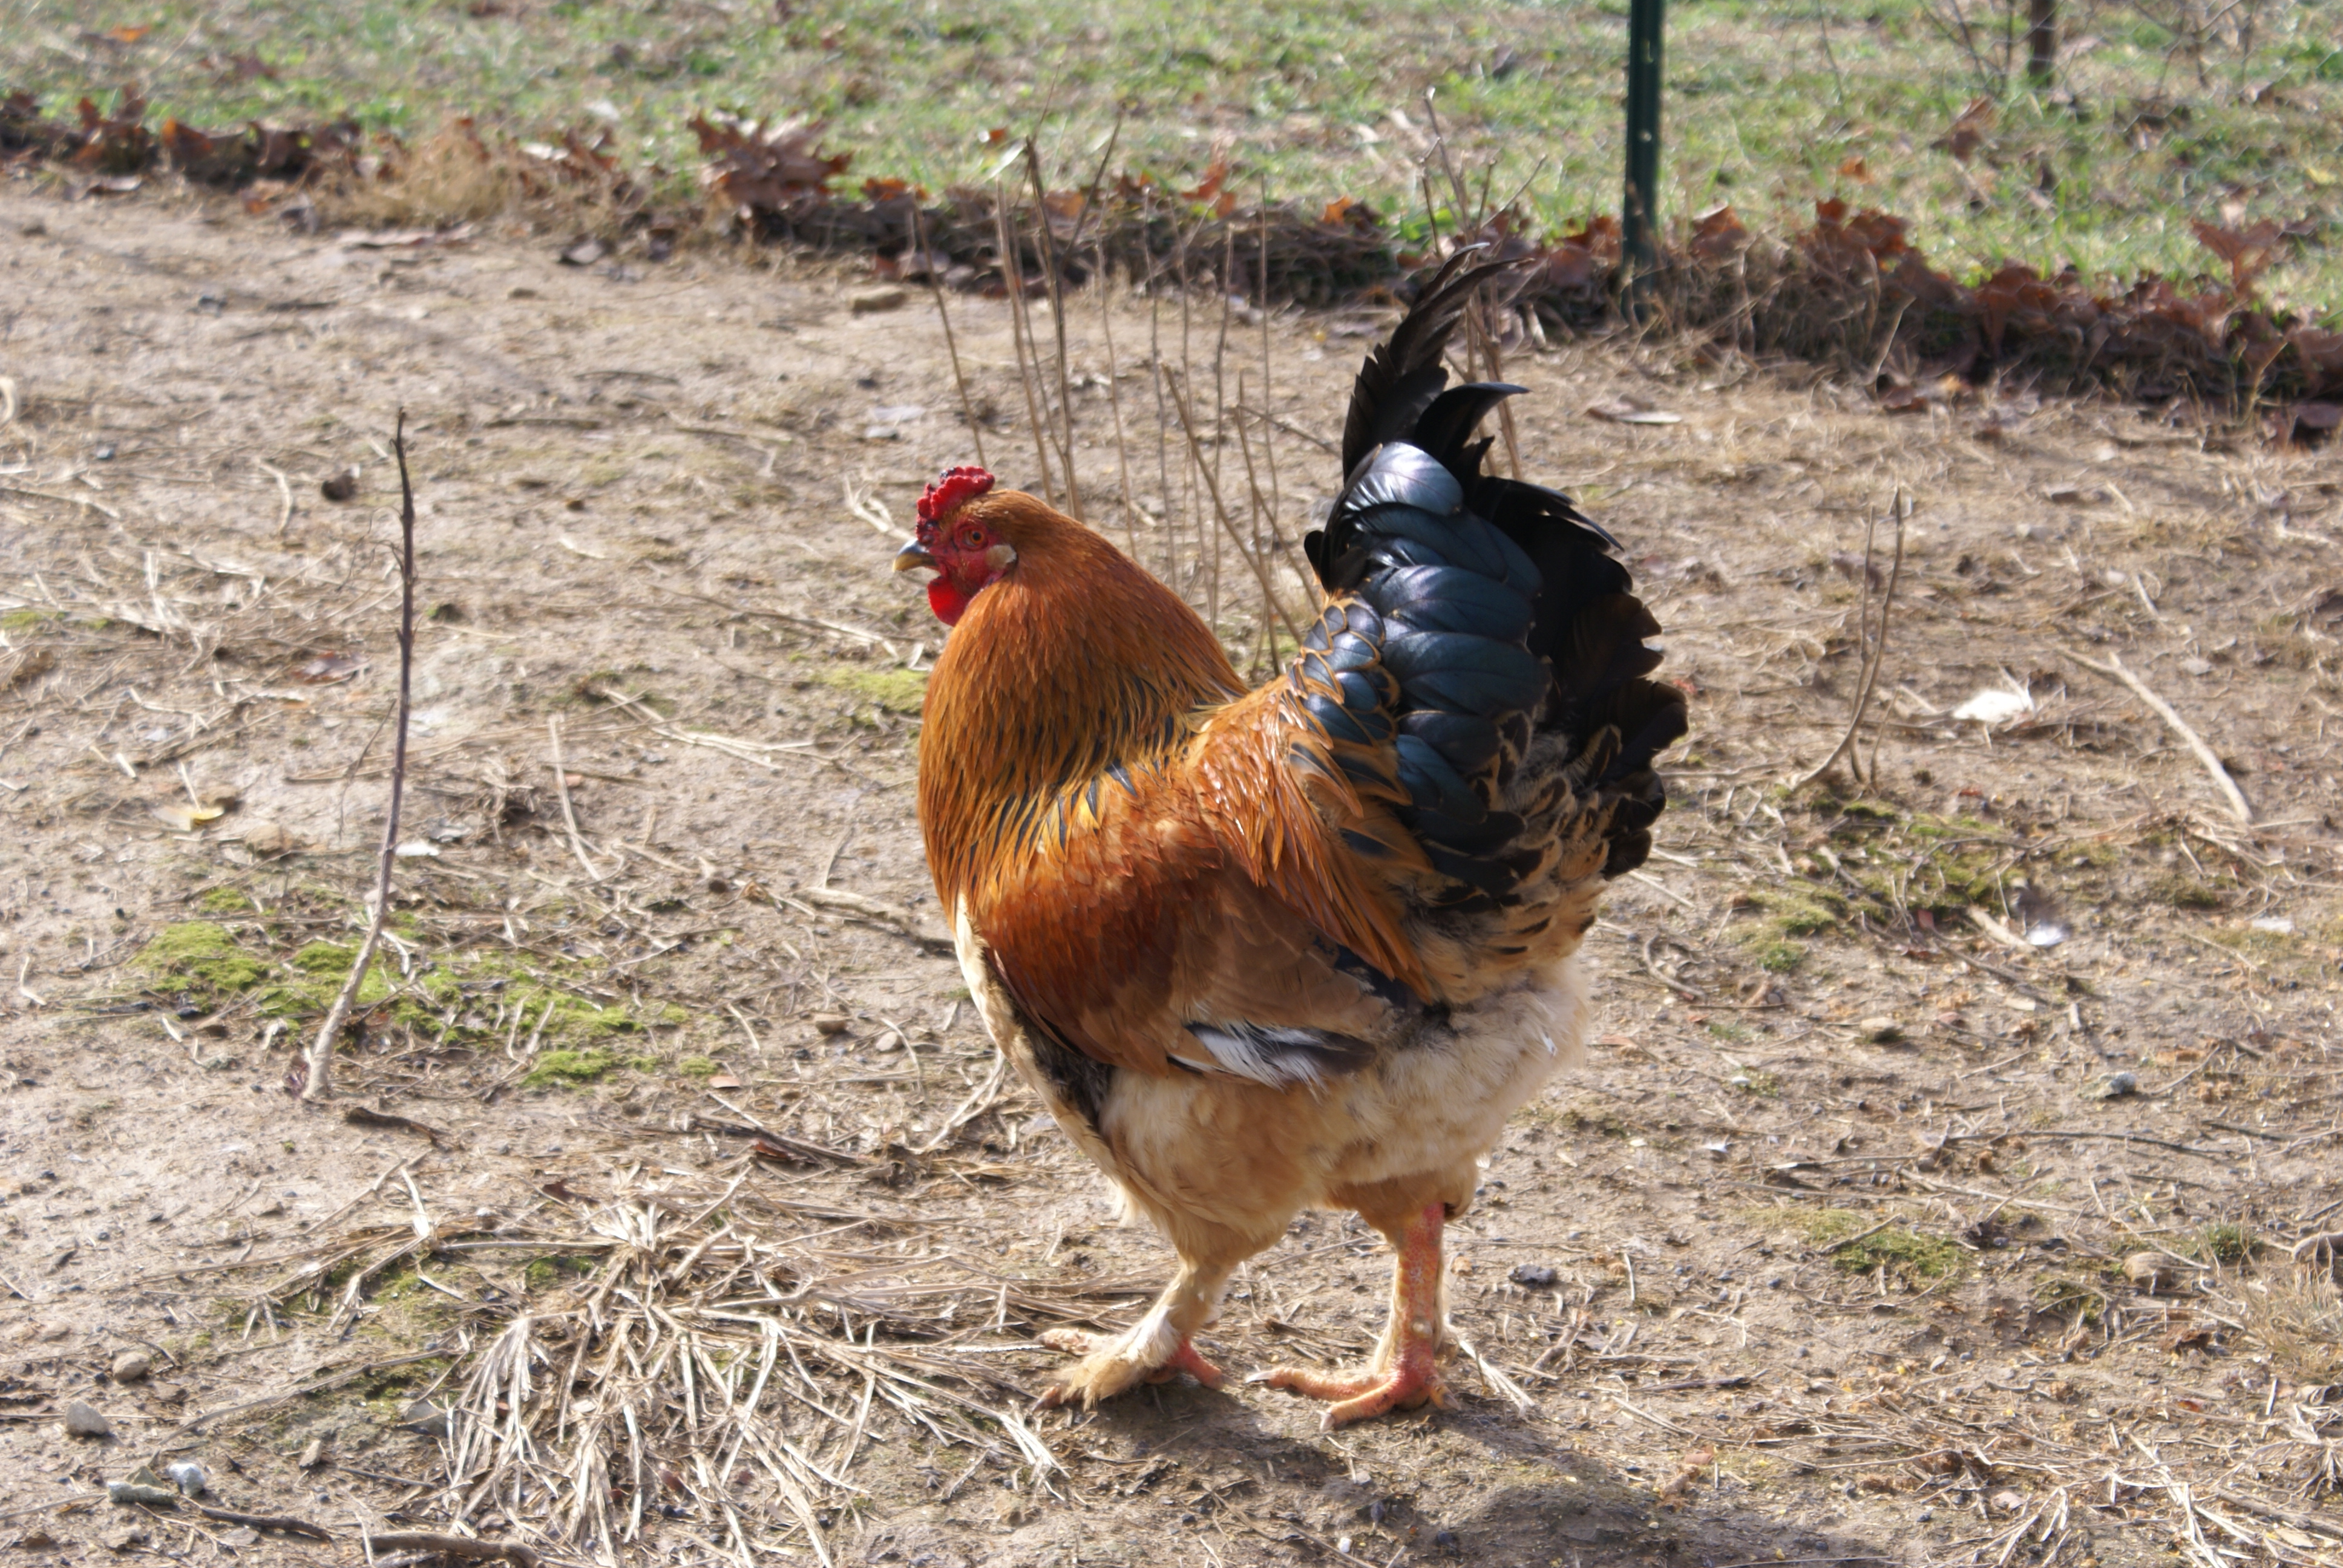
(1074, 660)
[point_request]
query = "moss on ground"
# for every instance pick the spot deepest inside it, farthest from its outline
(896, 690)
(2184, 892)
(547, 1273)
(568, 1068)
(459, 998)
(200, 959)
(1912, 1258)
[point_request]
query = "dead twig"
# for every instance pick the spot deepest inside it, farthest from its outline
(2116, 670)
(367, 1115)
(313, 1080)
(561, 788)
(877, 910)
(951, 345)
(453, 1546)
(1902, 505)
(1057, 319)
(1012, 277)
(1195, 448)
(281, 1523)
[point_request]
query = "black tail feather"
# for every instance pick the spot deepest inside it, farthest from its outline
(1500, 606)
(1401, 379)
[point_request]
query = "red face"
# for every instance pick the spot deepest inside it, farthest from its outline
(965, 555)
(964, 552)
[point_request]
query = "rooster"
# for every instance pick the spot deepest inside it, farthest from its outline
(1305, 946)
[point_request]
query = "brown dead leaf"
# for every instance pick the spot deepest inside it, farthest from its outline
(1857, 170)
(1688, 1473)
(1969, 130)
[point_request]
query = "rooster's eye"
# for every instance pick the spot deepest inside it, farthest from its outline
(972, 539)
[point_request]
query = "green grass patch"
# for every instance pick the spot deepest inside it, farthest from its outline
(1306, 95)
(226, 901)
(2224, 1242)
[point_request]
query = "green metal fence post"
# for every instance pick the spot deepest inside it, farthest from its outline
(1640, 219)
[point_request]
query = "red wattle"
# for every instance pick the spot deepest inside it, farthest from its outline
(947, 601)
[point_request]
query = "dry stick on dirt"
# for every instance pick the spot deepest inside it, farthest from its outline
(463, 1546)
(1057, 296)
(1012, 278)
(1114, 401)
(561, 789)
(317, 1081)
(1902, 503)
(1065, 423)
(951, 345)
(1268, 441)
(2116, 670)
(1155, 382)
(1269, 600)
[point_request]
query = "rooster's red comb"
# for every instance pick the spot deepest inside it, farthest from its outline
(947, 495)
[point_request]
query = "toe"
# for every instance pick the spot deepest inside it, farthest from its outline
(1187, 1359)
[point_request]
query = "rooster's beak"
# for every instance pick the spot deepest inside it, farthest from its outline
(911, 554)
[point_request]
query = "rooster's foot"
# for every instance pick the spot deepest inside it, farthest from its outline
(1113, 1362)
(1361, 1396)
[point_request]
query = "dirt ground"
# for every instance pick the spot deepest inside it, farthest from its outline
(1932, 1197)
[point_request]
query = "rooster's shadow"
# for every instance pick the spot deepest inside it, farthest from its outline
(1584, 1505)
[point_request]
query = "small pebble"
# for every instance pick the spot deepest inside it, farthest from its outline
(187, 1476)
(829, 1023)
(2114, 1086)
(128, 1491)
(83, 1421)
(132, 1366)
(1535, 1276)
(872, 301)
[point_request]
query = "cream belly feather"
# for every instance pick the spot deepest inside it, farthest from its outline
(1240, 1159)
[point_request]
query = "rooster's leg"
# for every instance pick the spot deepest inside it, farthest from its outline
(1150, 1351)
(1404, 1373)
